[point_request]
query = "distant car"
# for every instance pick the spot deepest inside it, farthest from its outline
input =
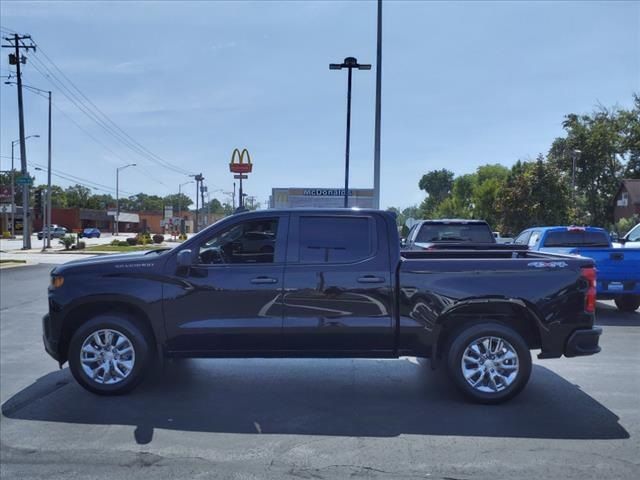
(632, 238)
(618, 268)
(56, 232)
(89, 233)
(500, 239)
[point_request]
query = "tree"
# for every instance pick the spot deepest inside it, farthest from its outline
(490, 180)
(437, 184)
(143, 202)
(77, 196)
(609, 142)
(178, 200)
(533, 194)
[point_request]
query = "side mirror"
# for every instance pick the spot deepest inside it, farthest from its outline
(614, 237)
(184, 258)
(403, 242)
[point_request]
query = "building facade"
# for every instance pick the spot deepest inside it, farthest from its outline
(626, 202)
(318, 197)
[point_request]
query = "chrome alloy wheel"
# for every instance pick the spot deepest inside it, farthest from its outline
(490, 364)
(107, 356)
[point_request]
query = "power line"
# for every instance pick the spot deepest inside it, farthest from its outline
(104, 120)
(78, 103)
(79, 179)
(147, 172)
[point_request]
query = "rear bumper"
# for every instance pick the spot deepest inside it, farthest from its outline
(583, 342)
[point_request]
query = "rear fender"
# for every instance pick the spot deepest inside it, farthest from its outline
(512, 312)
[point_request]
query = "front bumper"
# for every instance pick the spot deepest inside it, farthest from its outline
(50, 344)
(583, 342)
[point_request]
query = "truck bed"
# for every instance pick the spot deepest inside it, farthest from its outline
(541, 289)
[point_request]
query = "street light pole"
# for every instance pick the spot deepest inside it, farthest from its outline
(349, 63)
(116, 230)
(575, 155)
(46, 221)
(180, 195)
(378, 114)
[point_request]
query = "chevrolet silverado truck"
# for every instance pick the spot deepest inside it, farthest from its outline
(618, 269)
(327, 283)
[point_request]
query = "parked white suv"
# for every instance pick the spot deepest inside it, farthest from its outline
(632, 238)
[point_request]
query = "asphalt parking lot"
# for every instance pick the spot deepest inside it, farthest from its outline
(270, 418)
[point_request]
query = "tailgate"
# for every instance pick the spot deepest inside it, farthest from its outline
(618, 268)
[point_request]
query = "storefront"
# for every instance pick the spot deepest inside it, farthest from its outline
(320, 197)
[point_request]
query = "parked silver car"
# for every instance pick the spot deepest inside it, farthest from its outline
(56, 232)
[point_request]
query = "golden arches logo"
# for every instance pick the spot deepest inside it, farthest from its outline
(239, 166)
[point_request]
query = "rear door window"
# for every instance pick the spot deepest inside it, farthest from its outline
(335, 239)
(576, 238)
(447, 232)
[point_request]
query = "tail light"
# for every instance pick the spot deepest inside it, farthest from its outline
(589, 274)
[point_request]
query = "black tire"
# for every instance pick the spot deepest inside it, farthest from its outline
(465, 338)
(121, 324)
(627, 303)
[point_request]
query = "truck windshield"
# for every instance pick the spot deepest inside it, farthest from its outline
(576, 238)
(446, 232)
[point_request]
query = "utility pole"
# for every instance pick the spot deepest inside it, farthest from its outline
(199, 178)
(203, 189)
(49, 179)
(16, 59)
(233, 199)
(378, 115)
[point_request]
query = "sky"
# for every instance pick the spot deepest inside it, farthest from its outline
(463, 84)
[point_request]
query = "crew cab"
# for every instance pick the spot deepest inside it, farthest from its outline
(618, 269)
(332, 284)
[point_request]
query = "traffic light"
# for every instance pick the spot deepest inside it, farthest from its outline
(38, 206)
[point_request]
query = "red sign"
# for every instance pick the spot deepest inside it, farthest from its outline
(240, 166)
(5, 193)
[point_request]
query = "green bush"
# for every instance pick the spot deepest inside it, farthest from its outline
(143, 238)
(132, 241)
(6, 234)
(158, 238)
(67, 241)
(123, 243)
(115, 242)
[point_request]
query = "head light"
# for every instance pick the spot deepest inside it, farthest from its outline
(56, 281)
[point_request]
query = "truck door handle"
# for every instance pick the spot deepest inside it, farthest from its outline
(263, 280)
(370, 279)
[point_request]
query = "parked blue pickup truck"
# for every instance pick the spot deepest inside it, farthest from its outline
(618, 269)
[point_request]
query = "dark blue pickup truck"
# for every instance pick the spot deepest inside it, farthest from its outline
(320, 283)
(618, 268)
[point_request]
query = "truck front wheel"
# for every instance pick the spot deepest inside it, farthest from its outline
(489, 362)
(109, 354)
(627, 303)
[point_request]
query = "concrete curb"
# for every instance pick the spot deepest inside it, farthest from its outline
(15, 264)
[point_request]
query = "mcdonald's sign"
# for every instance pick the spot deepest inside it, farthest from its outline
(237, 164)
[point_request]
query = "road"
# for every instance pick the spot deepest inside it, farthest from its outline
(243, 419)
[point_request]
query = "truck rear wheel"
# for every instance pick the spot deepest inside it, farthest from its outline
(489, 362)
(627, 303)
(109, 354)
